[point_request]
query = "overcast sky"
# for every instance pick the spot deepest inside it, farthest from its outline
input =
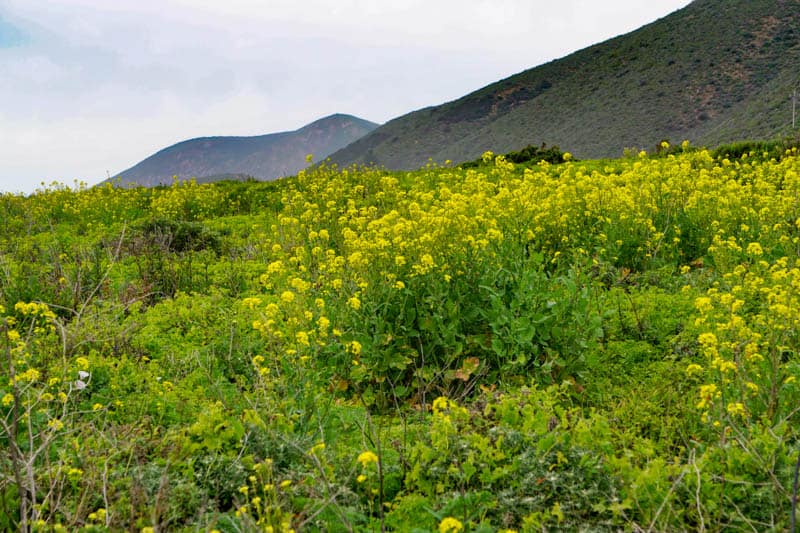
(94, 86)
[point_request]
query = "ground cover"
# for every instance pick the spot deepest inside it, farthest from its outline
(594, 345)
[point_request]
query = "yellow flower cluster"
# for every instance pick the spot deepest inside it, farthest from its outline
(188, 200)
(751, 318)
(450, 525)
(34, 308)
(342, 235)
(367, 458)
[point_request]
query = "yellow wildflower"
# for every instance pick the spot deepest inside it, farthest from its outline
(287, 297)
(693, 369)
(354, 347)
(450, 525)
(755, 249)
(366, 458)
(317, 448)
(736, 409)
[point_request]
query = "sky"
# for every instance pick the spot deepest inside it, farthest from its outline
(88, 88)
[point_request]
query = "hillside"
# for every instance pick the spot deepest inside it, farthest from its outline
(263, 157)
(715, 71)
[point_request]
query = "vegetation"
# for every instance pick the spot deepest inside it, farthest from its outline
(713, 72)
(594, 345)
(265, 157)
(529, 155)
(776, 149)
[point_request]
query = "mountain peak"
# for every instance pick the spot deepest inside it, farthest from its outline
(263, 157)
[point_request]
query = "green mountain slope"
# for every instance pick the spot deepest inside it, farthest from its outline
(715, 71)
(262, 157)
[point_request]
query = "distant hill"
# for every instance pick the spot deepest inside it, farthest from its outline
(262, 157)
(713, 72)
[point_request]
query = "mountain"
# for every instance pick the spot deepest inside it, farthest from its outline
(263, 157)
(715, 71)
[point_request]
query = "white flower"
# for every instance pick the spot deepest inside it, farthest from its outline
(82, 374)
(80, 385)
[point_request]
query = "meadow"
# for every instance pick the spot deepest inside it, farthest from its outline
(585, 345)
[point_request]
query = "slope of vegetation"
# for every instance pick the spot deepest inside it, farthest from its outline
(713, 72)
(596, 345)
(264, 157)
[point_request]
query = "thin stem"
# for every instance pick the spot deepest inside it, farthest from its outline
(13, 432)
(793, 518)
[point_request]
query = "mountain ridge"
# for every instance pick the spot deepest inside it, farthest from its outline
(714, 71)
(263, 157)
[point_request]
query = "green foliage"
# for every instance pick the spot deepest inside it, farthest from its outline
(177, 236)
(596, 345)
(529, 155)
(528, 451)
(758, 150)
(541, 322)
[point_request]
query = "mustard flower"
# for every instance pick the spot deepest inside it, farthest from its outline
(450, 525)
(736, 409)
(707, 395)
(707, 339)
(287, 297)
(354, 347)
(302, 338)
(354, 302)
(317, 448)
(754, 249)
(366, 458)
(693, 369)
(30, 375)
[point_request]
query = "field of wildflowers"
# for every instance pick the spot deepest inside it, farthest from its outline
(584, 345)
